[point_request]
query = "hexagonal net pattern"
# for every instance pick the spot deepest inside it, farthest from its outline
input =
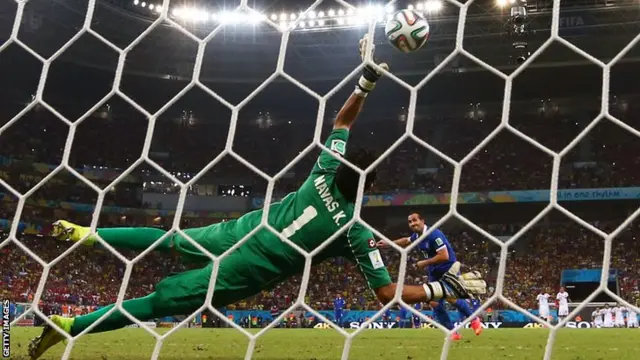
(322, 99)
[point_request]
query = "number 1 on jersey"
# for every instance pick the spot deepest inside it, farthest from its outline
(307, 215)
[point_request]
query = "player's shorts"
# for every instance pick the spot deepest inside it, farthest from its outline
(234, 282)
(563, 311)
(215, 238)
(544, 313)
(236, 278)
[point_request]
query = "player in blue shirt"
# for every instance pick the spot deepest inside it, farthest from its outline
(338, 305)
(475, 304)
(439, 259)
(416, 319)
(404, 313)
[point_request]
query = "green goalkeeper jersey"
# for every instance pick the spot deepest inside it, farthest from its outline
(308, 217)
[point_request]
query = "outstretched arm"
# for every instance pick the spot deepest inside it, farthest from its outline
(449, 287)
(367, 82)
(402, 242)
(411, 294)
(349, 112)
(442, 256)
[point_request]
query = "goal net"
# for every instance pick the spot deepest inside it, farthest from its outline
(167, 15)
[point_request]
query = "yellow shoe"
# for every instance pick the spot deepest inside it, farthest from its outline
(64, 230)
(49, 336)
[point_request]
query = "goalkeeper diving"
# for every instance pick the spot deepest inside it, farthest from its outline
(308, 217)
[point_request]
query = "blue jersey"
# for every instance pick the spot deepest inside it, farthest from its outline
(429, 248)
(403, 312)
(475, 304)
(338, 303)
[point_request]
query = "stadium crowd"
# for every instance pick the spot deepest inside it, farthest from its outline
(92, 277)
(183, 147)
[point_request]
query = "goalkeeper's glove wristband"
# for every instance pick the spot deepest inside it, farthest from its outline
(439, 290)
(367, 81)
(454, 287)
(434, 290)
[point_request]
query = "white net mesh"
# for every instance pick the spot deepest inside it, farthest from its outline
(322, 100)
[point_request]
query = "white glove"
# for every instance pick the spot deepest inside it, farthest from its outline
(370, 75)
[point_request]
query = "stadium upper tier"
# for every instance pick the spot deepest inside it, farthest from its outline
(240, 53)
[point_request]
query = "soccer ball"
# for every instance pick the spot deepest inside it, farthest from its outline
(407, 31)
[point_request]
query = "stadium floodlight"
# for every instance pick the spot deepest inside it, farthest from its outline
(292, 17)
(283, 17)
(321, 14)
(340, 12)
(331, 13)
(419, 6)
(302, 24)
(201, 15)
(144, 4)
(236, 18)
(379, 10)
(501, 3)
(274, 17)
(320, 22)
(433, 5)
(340, 21)
(159, 8)
(135, 2)
(254, 19)
(312, 23)
(389, 8)
(151, 6)
(225, 17)
(410, 7)
(312, 14)
(350, 11)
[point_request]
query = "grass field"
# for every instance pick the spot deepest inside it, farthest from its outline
(315, 344)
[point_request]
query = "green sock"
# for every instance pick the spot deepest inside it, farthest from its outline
(135, 238)
(141, 308)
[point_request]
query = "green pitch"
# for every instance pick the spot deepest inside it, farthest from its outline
(316, 344)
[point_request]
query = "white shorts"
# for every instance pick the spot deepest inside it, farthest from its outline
(608, 323)
(632, 323)
(563, 311)
(598, 323)
(620, 322)
(544, 313)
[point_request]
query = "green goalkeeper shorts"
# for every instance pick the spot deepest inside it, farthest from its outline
(187, 291)
(235, 279)
(216, 239)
